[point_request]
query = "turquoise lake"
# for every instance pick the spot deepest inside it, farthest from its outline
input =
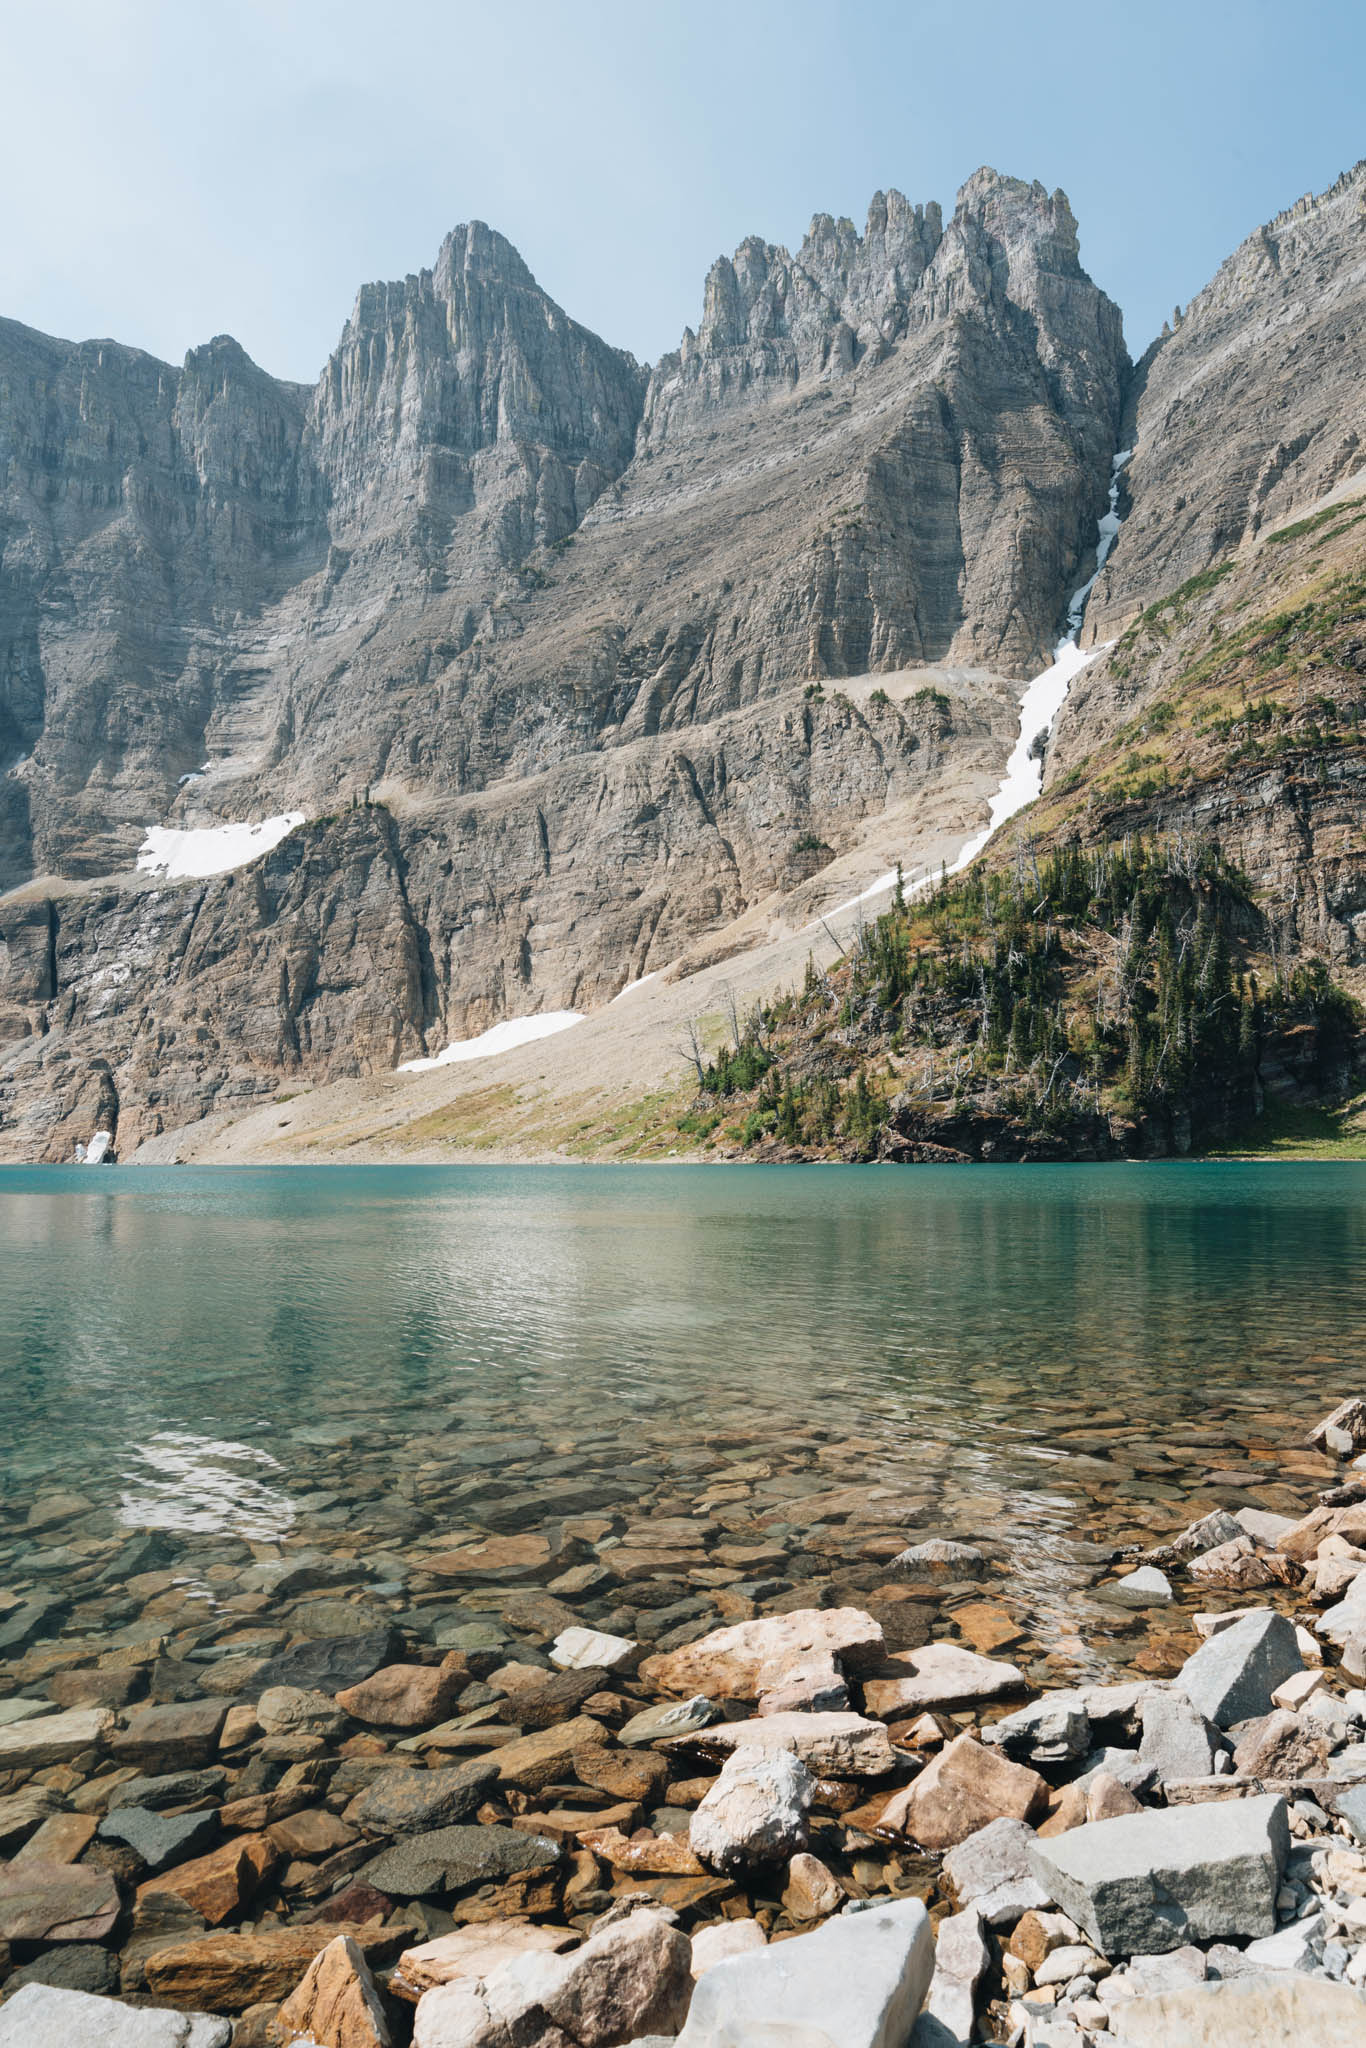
(1045, 1358)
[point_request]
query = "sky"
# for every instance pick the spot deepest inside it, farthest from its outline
(175, 171)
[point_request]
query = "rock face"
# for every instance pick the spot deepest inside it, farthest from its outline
(493, 572)
(1253, 407)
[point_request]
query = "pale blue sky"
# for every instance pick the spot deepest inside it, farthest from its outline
(174, 170)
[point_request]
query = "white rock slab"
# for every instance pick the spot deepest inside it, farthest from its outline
(858, 1982)
(585, 1649)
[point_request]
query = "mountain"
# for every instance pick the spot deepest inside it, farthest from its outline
(581, 672)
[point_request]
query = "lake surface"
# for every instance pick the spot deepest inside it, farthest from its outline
(815, 1365)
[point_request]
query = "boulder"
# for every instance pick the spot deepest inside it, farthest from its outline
(41, 1901)
(472, 1952)
(813, 1892)
(1232, 1676)
(1239, 1567)
(830, 1745)
(992, 1869)
(34, 1745)
(455, 1858)
(1147, 1587)
(294, 1710)
(409, 1802)
(403, 1696)
(173, 1738)
(661, 1724)
(1274, 2011)
(39, 2016)
(961, 1956)
(337, 2005)
(578, 1649)
(959, 1791)
(631, 1978)
(1178, 1742)
(730, 1663)
(813, 1684)
(712, 1945)
(1342, 1432)
(227, 1972)
(939, 1561)
(540, 1759)
(941, 1675)
(755, 1813)
(329, 1663)
(216, 1884)
(159, 1838)
(858, 1982)
(1284, 1745)
(1147, 1882)
(1053, 1730)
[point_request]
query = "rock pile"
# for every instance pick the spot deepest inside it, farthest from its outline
(353, 1834)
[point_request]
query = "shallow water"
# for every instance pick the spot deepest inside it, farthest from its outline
(365, 1358)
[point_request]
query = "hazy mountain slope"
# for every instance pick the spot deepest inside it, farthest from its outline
(1253, 408)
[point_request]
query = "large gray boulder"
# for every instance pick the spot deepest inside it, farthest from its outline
(1147, 1882)
(1274, 2011)
(1178, 1742)
(858, 1982)
(1233, 1675)
(41, 2017)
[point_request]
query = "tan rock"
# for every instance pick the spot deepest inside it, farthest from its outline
(311, 1834)
(337, 2005)
(1302, 1542)
(1298, 1688)
(297, 1710)
(624, 1773)
(499, 1557)
(1037, 1934)
(402, 1696)
(812, 1683)
(1239, 1567)
(986, 1626)
(1282, 1746)
(941, 1675)
(633, 1978)
(54, 1738)
(961, 1790)
(474, 1952)
(227, 1972)
(647, 1853)
(55, 1902)
(732, 1662)
(1106, 1797)
(722, 1939)
(61, 1839)
(218, 1883)
(1066, 1809)
(812, 1890)
(837, 1745)
(540, 1759)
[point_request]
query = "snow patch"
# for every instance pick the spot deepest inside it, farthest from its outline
(210, 849)
(632, 986)
(504, 1037)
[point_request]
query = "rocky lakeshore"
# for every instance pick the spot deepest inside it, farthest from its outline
(533, 1761)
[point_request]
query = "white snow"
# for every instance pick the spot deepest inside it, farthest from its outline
(512, 1032)
(632, 986)
(210, 849)
(96, 1149)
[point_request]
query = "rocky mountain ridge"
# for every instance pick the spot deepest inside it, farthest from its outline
(570, 633)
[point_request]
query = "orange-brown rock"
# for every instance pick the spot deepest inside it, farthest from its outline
(812, 1890)
(625, 1773)
(500, 1557)
(218, 1883)
(402, 1696)
(337, 2005)
(227, 1972)
(962, 1789)
(548, 1755)
(650, 1854)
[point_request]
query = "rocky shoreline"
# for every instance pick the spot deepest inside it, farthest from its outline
(521, 1827)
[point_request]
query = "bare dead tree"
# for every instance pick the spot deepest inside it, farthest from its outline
(691, 1050)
